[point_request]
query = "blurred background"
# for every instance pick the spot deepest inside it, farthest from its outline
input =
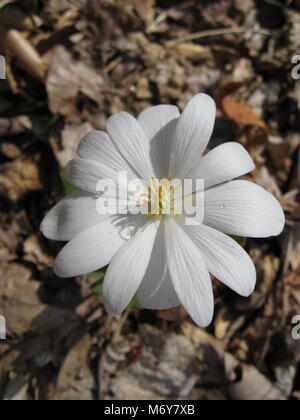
(71, 64)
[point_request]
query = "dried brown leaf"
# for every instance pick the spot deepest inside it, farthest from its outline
(242, 114)
(67, 78)
(193, 52)
(19, 177)
(145, 9)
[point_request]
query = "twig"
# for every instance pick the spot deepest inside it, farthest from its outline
(214, 32)
(155, 24)
(121, 323)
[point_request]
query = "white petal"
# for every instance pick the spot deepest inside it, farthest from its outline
(225, 162)
(132, 142)
(160, 149)
(127, 269)
(70, 216)
(243, 208)
(193, 132)
(156, 290)
(189, 274)
(85, 174)
(89, 251)
(225, 259)
(153, 119)
(99, 147)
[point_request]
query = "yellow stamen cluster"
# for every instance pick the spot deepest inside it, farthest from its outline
(161, 198)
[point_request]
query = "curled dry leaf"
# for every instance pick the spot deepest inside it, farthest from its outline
(26, 56)
(254, 386)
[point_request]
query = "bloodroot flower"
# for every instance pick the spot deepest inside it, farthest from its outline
(159, 256)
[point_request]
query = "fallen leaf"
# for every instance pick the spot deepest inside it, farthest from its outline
(242, 114)
(71, 137)
(75, 380)
(34, 253)
(145, 9)
(67, 78)
(18, 178)
(21, 305)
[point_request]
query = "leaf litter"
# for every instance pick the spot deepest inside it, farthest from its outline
(69, 66)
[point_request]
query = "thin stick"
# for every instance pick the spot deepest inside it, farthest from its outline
(213, 32)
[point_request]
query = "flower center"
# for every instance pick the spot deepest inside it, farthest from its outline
(161, 198)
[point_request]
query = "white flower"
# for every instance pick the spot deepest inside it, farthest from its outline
(166, 262)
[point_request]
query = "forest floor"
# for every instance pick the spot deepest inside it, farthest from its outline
(70, 65)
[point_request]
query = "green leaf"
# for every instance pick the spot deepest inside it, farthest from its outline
(238, 239)
(99, 275)
(135, 303)
(97, 286)
(69, 189)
